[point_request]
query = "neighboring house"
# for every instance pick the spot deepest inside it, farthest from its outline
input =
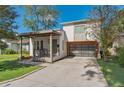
(15, 44)
(75, 39)
(25, 44)
(119, 42)
(12, 44)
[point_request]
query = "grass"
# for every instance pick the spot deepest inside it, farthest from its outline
(10, 68)
(113, 72)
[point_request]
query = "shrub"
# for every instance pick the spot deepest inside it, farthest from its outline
(121, 56)
(9, 51)
(24, 51)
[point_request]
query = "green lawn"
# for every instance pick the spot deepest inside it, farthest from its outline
(113, 72)
(10, 68)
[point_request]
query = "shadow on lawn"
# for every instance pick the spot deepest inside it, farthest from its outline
(113, 73)
(11, 65)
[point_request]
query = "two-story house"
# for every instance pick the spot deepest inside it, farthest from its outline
(75, 39)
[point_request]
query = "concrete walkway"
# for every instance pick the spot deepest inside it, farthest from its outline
(68, 72)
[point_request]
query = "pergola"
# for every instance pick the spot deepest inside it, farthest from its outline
(32, 35)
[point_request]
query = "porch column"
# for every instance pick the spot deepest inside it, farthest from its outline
(51, 50)
(31, 47)
(20, 54)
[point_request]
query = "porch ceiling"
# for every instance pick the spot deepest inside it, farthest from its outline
(40, 33)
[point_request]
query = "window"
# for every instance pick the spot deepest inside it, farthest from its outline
(79, 32)
(37, 45)
(41, 44)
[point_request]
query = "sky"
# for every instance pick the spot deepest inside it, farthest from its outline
(67, 13)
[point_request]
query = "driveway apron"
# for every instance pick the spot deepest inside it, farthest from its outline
(68, 72)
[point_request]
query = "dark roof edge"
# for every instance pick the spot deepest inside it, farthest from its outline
(78, 21)
(40, 32)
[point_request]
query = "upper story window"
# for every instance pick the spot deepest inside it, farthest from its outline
(84, 32)
(79, 32)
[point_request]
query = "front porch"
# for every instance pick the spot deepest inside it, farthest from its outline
(46, 48)
(44, 45)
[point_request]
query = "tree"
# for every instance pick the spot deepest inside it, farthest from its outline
(40, 17)
(7, 24)
(119, 22)
(106, 16)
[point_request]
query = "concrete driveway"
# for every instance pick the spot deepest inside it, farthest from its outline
(68, 72)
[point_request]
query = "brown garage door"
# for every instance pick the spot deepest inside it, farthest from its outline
(83, 48)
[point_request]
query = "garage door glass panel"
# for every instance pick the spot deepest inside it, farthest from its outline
(83, 50)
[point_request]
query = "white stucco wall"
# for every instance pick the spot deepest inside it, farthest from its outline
(13, 46)
(62, 46)
(61, 41)
(25, 47)
(69, 32)
(87, 34)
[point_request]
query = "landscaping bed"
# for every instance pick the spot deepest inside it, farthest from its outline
(10, 68)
